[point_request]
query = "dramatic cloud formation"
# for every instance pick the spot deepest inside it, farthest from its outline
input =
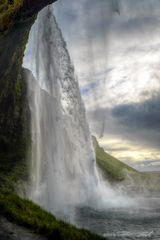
(138, 123)
(117, 59)
(140, 116)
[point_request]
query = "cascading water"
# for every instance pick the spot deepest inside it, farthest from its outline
(63, 171)
(63, 163)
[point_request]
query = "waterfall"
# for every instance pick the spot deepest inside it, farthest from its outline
(63, 167)
(63, 163)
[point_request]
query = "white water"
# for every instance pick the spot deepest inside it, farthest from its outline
(63, 170)
(63, 165)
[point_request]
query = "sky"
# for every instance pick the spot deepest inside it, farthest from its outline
(115, 49)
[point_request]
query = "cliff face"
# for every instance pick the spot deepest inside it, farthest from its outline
(14, 111)
(13, 11)
(16, 19)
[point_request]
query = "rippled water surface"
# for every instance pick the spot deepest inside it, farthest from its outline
(136, 224)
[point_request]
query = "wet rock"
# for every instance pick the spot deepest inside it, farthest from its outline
(10, 231)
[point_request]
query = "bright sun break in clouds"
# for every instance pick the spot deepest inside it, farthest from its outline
(117, 58)
(120, 149)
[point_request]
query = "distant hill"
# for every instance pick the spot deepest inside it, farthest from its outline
(112, 168)
(124, 176)
(148, 166)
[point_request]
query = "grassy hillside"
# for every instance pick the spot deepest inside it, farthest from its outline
(27, 214)
(132, 181)
(112, 168)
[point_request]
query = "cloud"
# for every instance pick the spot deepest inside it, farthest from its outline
(117, 61)
(137, 123)
(88, 88)
(85, 25)
(143, 115)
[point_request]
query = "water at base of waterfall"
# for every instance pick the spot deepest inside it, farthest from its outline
(121, 224)
(139, 222)
(63, 168)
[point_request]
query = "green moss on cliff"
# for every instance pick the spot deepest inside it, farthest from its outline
(14, 132)
(14, 109)
(13, 11)
(8, 11)
(16, 19)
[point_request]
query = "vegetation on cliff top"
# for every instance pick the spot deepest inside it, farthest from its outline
(112, 168)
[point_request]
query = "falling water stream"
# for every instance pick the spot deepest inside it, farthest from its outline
(63, 168)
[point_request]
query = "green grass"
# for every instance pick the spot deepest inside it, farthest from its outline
(27, 214)
(112, 168)
(117, 172)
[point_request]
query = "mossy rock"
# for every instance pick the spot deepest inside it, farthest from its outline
(15, 139)
(8, 11)
(13, 11)
(16, 19)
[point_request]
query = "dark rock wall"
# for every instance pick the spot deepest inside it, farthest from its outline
(16, 19)
(12, 11)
